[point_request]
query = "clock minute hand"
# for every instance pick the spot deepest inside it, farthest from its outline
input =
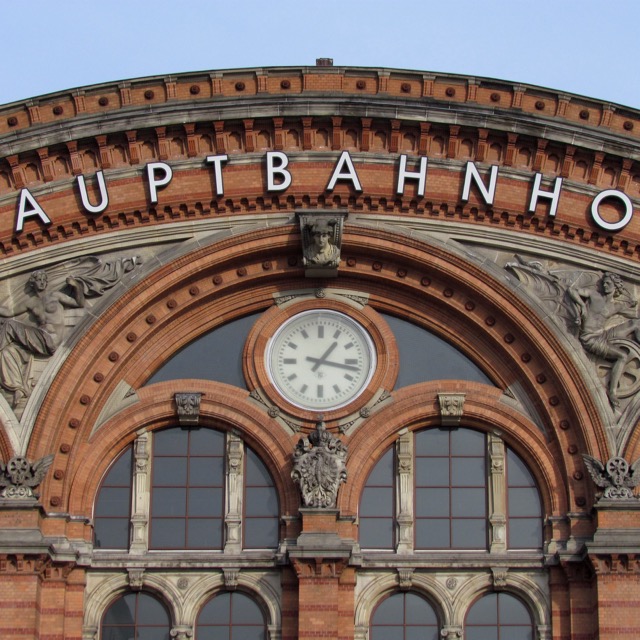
(330, 363)
(323, 357)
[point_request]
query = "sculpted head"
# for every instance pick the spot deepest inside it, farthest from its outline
(38, 280)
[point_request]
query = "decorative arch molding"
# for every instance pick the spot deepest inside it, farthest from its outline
(380, 585)
(183, 604)
(416, 407)
(238, 275)
(516, 583)
(222, 407)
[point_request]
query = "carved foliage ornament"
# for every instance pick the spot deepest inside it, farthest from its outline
(319, 467)
(188, 408)
(616, 477)
(19, 477)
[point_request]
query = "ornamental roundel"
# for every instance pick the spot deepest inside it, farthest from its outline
(320, 356)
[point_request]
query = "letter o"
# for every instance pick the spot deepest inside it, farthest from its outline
(600, 221)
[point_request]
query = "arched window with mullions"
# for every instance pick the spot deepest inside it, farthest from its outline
(404, 616)
(199, 486)
(499, 616)
(450, 496)
(231, 616)
(136, 615)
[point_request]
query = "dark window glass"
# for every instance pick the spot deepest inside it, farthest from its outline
(426, 357)
(524, 507)
(405, 616)
(187, 499)
(261, 509)
(498, 616)
(450, 489)
(232, 616)
(136, 615)
(113, 505)
(376, 511)
(216, 355)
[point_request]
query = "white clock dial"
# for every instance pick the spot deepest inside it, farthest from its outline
(320, 359)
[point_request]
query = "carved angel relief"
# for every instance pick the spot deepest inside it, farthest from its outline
(600, 311)
(319, 467)
(19, 477)
(34, 320)
(616, 477)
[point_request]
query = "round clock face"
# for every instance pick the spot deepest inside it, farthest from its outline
(320, 359)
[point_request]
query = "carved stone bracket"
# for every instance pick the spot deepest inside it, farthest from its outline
(451, 408)
(319, 467)
(320, 567)
(188, 408)
(405, 578)
(231, 576)
(615, 563)
(451, 632)
(19, 477)
(499, 575)
(321, 234)
(136, 578)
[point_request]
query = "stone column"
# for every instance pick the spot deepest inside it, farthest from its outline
(235, 481)
(497, 495)
(404, 497)
(141, 494)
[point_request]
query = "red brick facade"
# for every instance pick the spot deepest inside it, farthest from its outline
(214, 248)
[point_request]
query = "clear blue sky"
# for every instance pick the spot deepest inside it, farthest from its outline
(589, 47)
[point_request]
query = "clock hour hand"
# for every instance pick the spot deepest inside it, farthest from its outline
(330, 363)
(323, 357)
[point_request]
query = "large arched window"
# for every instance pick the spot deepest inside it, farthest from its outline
(136, 615)
(498, 616)
(203, 490)
(404, 616)
(461, 490)
(231, 616)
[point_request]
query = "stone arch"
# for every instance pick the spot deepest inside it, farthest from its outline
(386, 584)
(526, 589)
(457, 299)
(222, 407)
(416, 408)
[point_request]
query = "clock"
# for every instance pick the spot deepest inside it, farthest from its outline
(320, 359)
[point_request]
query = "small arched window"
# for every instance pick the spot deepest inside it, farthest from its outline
(231, 616)
(498, 616)
(136, 615)
(404, 616)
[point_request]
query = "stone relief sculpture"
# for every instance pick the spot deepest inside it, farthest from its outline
(319, 468)
(19, 477)
(321, 243)
(600, 311)
(33, 320)
(617, 477)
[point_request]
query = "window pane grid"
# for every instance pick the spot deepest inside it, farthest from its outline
(261, 508)
(113, 506)
(187, 518)
(377, 506)
(450, 510)
(524, 508)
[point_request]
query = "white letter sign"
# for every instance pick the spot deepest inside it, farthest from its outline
(277, 169)
(339, 172)
(35, 210)
(152, 167)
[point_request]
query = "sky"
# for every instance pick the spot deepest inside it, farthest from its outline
(586, 47)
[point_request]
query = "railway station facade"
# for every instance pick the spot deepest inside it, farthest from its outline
(319, 351)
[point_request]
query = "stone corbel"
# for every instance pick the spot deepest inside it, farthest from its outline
(451, 408)
(136, 578)
(89, 632)
(405, 578)
(19, 477)
(231, 576)
(321, 234)
(499, 576)
(451, 632)
(188, 408)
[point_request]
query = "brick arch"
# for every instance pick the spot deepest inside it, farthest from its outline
(402, 275)
(222, 407)
(416, 407)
